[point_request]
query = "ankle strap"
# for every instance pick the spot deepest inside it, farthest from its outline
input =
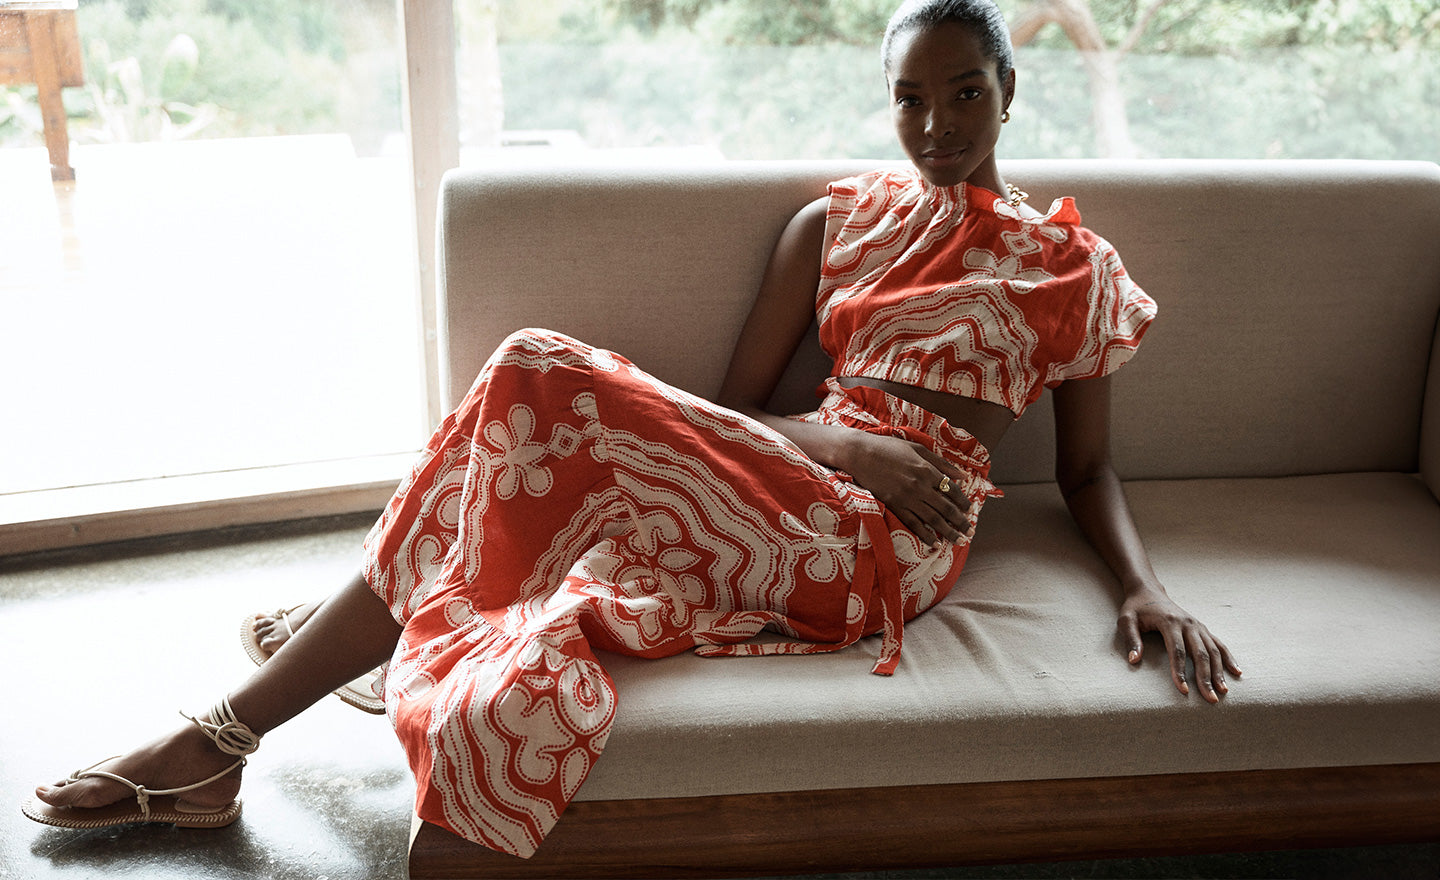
(230, 735)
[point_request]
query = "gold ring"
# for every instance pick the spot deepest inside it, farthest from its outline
(944, 486)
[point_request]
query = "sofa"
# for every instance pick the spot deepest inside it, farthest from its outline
(1279, 435)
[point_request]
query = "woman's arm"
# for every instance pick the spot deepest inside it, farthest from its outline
(1092, 492)
(904, 476)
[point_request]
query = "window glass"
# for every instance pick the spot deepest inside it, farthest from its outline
(229, 280)
(754, 79)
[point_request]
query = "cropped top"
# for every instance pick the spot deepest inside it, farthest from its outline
(951, 289)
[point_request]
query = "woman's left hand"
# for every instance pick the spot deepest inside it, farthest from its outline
(1152, 610)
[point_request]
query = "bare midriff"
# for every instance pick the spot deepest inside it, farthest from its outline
(986, 421)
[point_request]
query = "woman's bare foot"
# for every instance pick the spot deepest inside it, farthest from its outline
(179, 758)
(274, 630)
(267, 633)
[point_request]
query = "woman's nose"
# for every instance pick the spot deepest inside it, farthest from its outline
(939, 123)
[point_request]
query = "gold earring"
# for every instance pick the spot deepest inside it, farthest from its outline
(1005, 117)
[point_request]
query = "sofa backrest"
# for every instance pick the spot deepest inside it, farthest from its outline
(1298, 300)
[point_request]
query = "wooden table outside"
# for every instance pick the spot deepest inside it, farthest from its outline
(40, 44)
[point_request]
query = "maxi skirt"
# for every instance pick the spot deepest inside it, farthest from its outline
(571, 503)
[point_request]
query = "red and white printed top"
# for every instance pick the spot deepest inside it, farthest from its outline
(951, 289)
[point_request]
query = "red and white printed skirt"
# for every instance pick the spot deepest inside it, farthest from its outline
(573, 502)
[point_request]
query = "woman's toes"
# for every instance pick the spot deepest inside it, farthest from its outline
(274, 630)
(83, 793)
(51, 794)
(266, 636)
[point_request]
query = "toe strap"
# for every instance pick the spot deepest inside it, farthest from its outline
(143, 794)
(284, 615)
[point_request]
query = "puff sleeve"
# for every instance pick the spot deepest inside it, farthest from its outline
(1117, 316)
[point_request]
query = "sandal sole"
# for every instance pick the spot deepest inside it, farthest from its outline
(163, 811)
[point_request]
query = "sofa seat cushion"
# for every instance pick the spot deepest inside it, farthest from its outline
(1326, 587)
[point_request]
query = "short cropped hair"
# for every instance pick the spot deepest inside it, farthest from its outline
(981, 16)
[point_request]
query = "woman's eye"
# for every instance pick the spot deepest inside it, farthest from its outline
(907, 101)
(969, 94)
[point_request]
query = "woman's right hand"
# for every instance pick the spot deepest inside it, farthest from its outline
(908, 479)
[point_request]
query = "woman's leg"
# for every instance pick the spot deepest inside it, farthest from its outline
(350, 634)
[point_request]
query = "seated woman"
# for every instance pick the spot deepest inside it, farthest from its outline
(572, 502)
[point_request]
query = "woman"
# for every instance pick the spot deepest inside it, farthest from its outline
(572, 502)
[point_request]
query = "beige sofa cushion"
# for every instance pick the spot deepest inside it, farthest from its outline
(1327, 588)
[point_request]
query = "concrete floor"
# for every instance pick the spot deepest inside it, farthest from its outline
(102, 646)
(104, 650)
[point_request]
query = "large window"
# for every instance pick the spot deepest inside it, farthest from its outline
(235, 295)
(228, 284)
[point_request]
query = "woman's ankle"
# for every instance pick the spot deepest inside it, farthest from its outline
(225, 731)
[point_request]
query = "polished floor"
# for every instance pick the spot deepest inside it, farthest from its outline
(103, 646)
(103, 651)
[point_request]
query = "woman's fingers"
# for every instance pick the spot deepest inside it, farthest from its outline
(1204, 661)
(1188, 642)
(938, 521)
(933, 518)
(956, 519)
(918, 527)
(1217, 664)
(933, 504)
(949, 498)
(1228, 659)
(1130, 634)
(1205, 655)
(920, 487)
(1175, 644)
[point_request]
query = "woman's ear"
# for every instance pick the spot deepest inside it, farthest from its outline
(1009, 87)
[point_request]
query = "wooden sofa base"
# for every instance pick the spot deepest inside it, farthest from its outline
(977, 823)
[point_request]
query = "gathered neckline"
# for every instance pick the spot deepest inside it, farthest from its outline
(961, 196)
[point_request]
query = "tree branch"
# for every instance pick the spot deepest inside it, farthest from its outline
(1025, 26)
(1141, 25)
(1078, 22)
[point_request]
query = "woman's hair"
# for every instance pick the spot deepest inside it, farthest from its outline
(981, 16)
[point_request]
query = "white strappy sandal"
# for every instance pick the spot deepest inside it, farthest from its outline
(359, 693)
(160, 806)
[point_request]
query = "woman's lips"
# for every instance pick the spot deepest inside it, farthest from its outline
(941, 158)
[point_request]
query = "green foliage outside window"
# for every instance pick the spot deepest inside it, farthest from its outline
(760, 79)
(258, 68)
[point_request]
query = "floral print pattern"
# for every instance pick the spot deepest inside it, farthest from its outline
(618, 513)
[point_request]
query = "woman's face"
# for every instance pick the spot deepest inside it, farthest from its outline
(946, 101)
